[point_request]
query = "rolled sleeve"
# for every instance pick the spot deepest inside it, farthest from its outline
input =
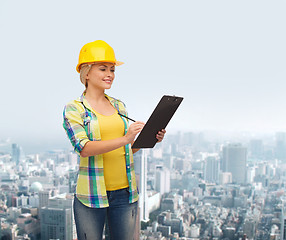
(74, 127)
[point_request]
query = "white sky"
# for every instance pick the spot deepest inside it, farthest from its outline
(226, 58)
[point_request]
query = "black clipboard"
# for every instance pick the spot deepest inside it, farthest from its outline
(158, 120)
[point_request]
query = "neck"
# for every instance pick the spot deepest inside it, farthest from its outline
(94, 94)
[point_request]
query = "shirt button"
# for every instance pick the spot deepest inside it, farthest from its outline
(128, 166)
(127, 154)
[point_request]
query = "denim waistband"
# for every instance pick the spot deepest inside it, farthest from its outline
(117, 190)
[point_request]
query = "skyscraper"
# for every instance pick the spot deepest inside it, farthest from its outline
(234, 161)
(212, 168)
(64, 201)
(44, 198)
(140, 166)
(56, 223)
(162, 180)
(16, 153)
(280, 149)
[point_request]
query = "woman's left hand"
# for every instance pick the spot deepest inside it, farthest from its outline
(160, 135)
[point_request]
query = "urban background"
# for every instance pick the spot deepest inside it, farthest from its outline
(193, 185)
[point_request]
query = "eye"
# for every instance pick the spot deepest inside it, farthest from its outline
(102, 69)
(112, 70)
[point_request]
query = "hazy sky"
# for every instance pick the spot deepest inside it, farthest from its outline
(226, 58)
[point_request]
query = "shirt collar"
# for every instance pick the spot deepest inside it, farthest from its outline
(83, 100)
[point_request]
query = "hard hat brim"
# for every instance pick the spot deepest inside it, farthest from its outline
(117, 63)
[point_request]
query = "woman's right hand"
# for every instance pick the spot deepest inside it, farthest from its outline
(133, 130)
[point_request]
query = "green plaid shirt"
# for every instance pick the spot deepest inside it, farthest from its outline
(81, 126)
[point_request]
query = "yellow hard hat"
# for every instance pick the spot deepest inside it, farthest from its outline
(97, 51)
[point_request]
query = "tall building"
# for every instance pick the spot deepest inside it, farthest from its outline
(169, 161)
(182, 164)
(212, 169)
(16, 153)
(234, 161)
(64, 201)
(162, 180)
(140, 166)
(250, 174)
(56, 223)
(44, 198)
(280, 148)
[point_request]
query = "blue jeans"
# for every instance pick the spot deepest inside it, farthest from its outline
(121, 217)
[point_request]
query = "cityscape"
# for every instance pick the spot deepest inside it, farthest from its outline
(219, 173)
(193, 185)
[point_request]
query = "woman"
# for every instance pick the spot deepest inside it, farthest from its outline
(106, 186)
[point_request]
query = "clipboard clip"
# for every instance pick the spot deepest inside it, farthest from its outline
(175, 98)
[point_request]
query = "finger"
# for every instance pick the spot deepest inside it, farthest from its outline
(139, 122)
(139, 128)
(160, 138)
(135, 125)
(161, 134)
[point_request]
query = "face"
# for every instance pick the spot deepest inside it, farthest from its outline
(101, 76)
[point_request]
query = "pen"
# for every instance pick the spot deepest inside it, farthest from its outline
(126, 117)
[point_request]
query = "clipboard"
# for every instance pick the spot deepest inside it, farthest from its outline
(158, 120)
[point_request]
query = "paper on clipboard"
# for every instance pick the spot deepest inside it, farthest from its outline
(158, 120)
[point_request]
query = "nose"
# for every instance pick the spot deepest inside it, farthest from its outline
(110, 73)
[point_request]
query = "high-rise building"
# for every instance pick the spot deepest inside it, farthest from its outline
(140, 166)
(280, 149)
(64, 201)
(250, 174)
(56, 223)
(162, 180)
(212, 169)
(234, 161)
(249, 228)
(16, 153)
(44, 198)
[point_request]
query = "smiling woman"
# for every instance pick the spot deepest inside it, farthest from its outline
(100, 74)
(106, 185)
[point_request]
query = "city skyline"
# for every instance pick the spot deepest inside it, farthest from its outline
(188, 190)
(227, 59)
(42, 145)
